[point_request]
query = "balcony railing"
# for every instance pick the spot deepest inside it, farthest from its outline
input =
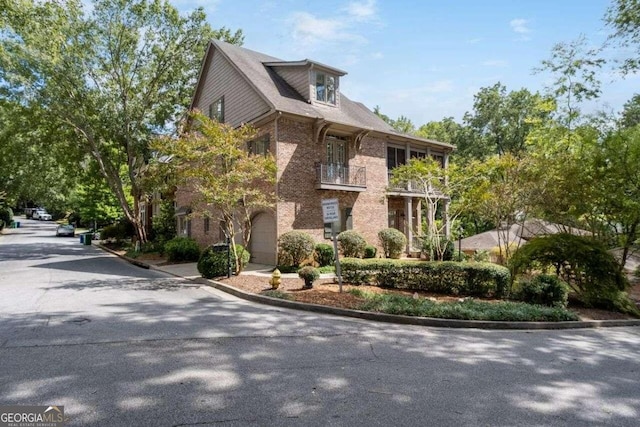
(337, 177)
(414, 188)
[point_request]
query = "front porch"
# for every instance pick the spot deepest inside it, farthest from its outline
(411, 224)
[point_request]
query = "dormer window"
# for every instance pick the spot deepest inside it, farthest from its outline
(326, 88)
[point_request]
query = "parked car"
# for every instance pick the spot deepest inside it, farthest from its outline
(66, 230)
(42, 215)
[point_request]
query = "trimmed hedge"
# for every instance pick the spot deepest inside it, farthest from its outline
(352, 243)
(182, 249)
(393, 242)
(324, 254)
(213, 263)
(447, 277)
(544, 289)
(295, 247)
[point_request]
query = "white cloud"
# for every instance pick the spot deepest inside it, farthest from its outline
(495, 63)
(474, 41)
(520, 26)
(377, 55)
(362, 10)
(309, 30)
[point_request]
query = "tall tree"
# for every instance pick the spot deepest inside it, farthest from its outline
(115, 76)
(226, 179)
(623, 16)
(504, 119)
(574, 67)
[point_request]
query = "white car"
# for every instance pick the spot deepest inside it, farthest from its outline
(42, 215)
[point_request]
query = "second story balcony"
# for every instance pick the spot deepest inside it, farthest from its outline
(409, 188)
(338, 177)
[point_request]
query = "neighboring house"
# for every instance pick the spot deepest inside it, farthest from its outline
(517, 235)
(325, 146)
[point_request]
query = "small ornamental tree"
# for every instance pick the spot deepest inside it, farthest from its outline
(229, 183)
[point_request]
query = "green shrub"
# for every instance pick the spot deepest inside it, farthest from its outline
(295, 247)
(213, 260)
(591, 271)
(464, 310)
(428, 248)
(352, 244)
(447, 277)
(309, 275)
(544, 289)
(182, 249)
(393, 242)
(213, 263)
(481, 255)
(370, 251)
(6, 216)
(459, 256)
(164, 224)
(324, 254)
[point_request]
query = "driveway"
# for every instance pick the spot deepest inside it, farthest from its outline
(120, 345)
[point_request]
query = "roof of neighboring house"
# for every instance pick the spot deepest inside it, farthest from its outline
(489, 239)
(257, 69)
(518, 233)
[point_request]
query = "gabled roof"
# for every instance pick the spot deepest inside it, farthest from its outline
(305, 63)
(256, 68)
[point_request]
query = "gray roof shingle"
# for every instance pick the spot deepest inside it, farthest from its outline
(282, 97)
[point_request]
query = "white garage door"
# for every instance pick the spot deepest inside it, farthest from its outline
(263, 239)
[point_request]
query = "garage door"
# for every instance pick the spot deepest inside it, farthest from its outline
(263, 239)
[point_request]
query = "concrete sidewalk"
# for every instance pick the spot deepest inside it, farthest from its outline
(189, 270)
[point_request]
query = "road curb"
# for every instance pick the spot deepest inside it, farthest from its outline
(390, 318)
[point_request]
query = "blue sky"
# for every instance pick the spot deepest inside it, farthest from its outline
(423, 59)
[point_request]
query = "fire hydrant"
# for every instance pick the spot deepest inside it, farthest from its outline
(276, 279)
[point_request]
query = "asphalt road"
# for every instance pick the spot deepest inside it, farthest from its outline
(122, 346)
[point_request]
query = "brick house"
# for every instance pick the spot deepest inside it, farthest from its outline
(325, 146)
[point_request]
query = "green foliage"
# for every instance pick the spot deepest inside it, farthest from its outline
(6, 216)
(182, 249)
(370, 251)
(393, 242)
(583, 263)
(443, 277)
(502, 121)
(468, 309)
(459, 256)
(623, 17)
(295, 247)
(352, 244)
(481, 255)
(544, 289)
(164, 224)
(119, 231)
(324, 254)
(274, 293)
(109, 76)
(327, 269)
(213, 260)
(309, 275)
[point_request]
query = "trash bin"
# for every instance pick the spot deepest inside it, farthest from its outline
(17, 224)
(82, 238)
(87, 239)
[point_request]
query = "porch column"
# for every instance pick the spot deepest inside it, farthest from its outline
(447, 223)
(419, 218)
(408, 210)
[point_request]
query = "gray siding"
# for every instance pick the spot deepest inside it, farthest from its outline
(241, 102)
(297, 78)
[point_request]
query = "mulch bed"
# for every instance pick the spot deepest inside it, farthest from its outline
(326, 292)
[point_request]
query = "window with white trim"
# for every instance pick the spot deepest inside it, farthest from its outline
(326, 88)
